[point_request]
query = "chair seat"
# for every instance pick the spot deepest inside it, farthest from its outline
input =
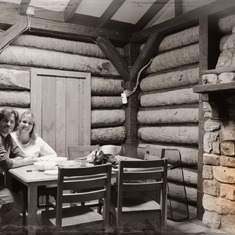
(138, 204)
(73, 215)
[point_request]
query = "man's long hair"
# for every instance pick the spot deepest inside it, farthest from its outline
(7, 112)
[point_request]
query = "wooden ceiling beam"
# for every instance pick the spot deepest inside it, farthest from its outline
(149, 15)
(178, 7)
(94, 21)
(177, 23)
(110, 11)
(113, 55)
(66, 30)
(71, 9)
(49, 15)
(24, 4)
(146, 54)
(185, 20)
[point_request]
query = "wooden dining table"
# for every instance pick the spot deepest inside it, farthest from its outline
(32, 179)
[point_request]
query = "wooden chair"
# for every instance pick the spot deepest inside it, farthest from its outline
(76, 185)
(76, 152)
(138, 184)
(153, 153)
(175, 173)
(80, 152)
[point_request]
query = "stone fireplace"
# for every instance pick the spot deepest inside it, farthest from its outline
(219, 150)
(219, 162)
(217, 87)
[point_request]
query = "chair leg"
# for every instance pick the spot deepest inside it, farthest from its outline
(47, 202)
(100, 207)
(24, 216)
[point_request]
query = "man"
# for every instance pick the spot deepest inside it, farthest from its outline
(10, 156)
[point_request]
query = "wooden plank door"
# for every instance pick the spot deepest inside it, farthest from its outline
(61, 103)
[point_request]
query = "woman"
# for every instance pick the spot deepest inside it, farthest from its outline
(28, 140)
(33, 145)
(10, 156)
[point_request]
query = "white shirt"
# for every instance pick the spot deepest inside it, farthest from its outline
(35, 148)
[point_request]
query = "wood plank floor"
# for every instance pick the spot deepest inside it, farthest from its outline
(189, 226)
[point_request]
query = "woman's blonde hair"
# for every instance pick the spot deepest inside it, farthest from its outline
(32, 133)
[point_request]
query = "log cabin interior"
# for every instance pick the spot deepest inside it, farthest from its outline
(131, 73)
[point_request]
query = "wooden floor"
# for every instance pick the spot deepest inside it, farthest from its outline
(189, 226)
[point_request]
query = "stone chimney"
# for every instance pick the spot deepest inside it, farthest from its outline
(219, 155)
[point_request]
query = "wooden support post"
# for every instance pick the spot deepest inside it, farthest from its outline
(131, 123)
(133, 106)
(203, 64)
(209, 53)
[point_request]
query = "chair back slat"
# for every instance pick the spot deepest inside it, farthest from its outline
(85, 184)
(82, 197)
(143, 174)
(83, 171)
(76, 152)
(142, 164)
(143, 187)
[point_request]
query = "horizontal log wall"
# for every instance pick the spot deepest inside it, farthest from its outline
(14, 89)
(108, 115)
(226, 24)
(170, 79)
(180, 96)
(29, 51)
(34, 57)
(169, 134)
(169, 110)
(177, 115)
(227, 42)
(74, 47)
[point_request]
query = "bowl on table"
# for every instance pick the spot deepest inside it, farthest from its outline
(111, 149)
(45, 165)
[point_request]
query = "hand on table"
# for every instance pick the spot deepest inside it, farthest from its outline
(29, 160)
(18, 162)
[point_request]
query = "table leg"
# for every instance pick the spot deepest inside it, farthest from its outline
(32, 209)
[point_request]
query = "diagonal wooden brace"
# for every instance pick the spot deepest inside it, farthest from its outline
(113, 55)
(9, 35)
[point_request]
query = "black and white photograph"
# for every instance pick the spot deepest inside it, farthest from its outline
(117, 117)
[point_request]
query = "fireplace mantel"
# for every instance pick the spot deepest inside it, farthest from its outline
(218, 87)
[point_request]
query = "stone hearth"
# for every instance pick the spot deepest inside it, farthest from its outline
(219, 155)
